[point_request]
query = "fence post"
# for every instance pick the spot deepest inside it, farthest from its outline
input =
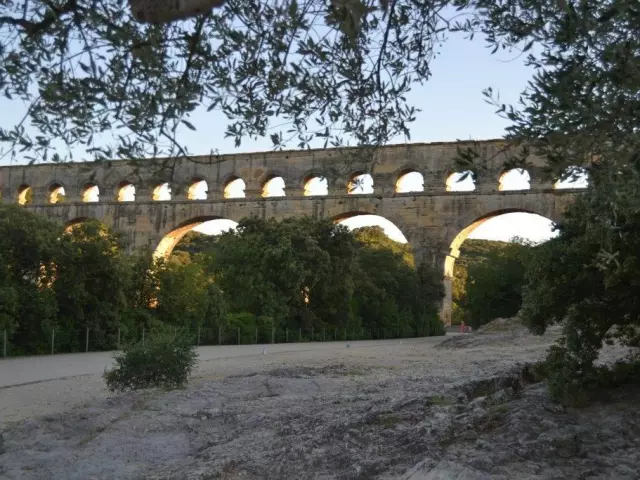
(4, 344)
(238, 335)
(118, 347)
(273, 333)
(256, 335)
(198, 336)
(324, 334)
(299, 335)
(286, 335)
(53, 339)
(345, 334)
(86, 342)
(219, 335)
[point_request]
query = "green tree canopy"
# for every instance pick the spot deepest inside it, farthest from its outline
(28, 248)
(326, 69)
(284, 269)
(494, 284)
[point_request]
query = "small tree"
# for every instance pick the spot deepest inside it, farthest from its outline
(165, 359)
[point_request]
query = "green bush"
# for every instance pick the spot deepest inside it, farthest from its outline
(573, 383)
(163, 360)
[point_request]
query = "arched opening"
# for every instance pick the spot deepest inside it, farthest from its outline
(316, 186)
(360, 184)
(126, 192)
(410, 181)
(90, 193)
(162, 193)
(574, 177)
(70, 225)
(274, 187)
(388, 289)
(487, 235)
(515, 179)
(56, 193)
(25, 195)
(357, 220)
(198, 190)
(202, 225)
(234, 188)
(461, 182)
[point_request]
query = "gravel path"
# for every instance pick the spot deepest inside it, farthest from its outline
(40, 385)
(425, 409)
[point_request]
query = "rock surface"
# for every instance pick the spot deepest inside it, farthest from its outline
(463, 410)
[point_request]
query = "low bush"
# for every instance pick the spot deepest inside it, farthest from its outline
(164, 360)
(572, 384)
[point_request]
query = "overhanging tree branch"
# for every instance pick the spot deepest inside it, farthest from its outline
(50, 17)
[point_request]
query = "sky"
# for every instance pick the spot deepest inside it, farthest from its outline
(453, 108)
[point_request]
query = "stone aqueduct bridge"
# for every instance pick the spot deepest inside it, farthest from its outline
(434, 220)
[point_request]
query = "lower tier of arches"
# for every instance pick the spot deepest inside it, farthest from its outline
(434, 225)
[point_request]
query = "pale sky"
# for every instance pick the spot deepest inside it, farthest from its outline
(453, 108)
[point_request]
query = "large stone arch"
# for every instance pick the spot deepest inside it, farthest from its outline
(74, 222)
(396, 220)
(170, 238)
(455, 242)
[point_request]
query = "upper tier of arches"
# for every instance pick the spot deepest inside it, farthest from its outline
(406, 181)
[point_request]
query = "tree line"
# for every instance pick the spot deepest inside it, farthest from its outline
(296, 279)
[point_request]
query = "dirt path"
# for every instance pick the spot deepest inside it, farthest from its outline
(412, 410)
(42, 385)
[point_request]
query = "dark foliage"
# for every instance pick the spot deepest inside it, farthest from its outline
(163, 360)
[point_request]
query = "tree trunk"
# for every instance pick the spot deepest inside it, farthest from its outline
(167, 11)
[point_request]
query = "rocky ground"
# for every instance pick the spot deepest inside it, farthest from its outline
(461, 408)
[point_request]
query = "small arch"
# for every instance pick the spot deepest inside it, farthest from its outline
(273, 187)
(126, 192)
(234, 188)
(25, 195)
(316, 185)
(206, 225)
(198, 190)
(56, 193)
(90, 193)
(573, 177)
(360, 184)
(161, 193)
(410, 181)
(461, 181)
(515, 179)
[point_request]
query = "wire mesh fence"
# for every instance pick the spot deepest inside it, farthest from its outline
(50, 341)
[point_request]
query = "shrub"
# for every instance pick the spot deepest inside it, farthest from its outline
(163, 360)
(572, 383)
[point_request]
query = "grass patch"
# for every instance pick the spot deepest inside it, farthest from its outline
(439, 400)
